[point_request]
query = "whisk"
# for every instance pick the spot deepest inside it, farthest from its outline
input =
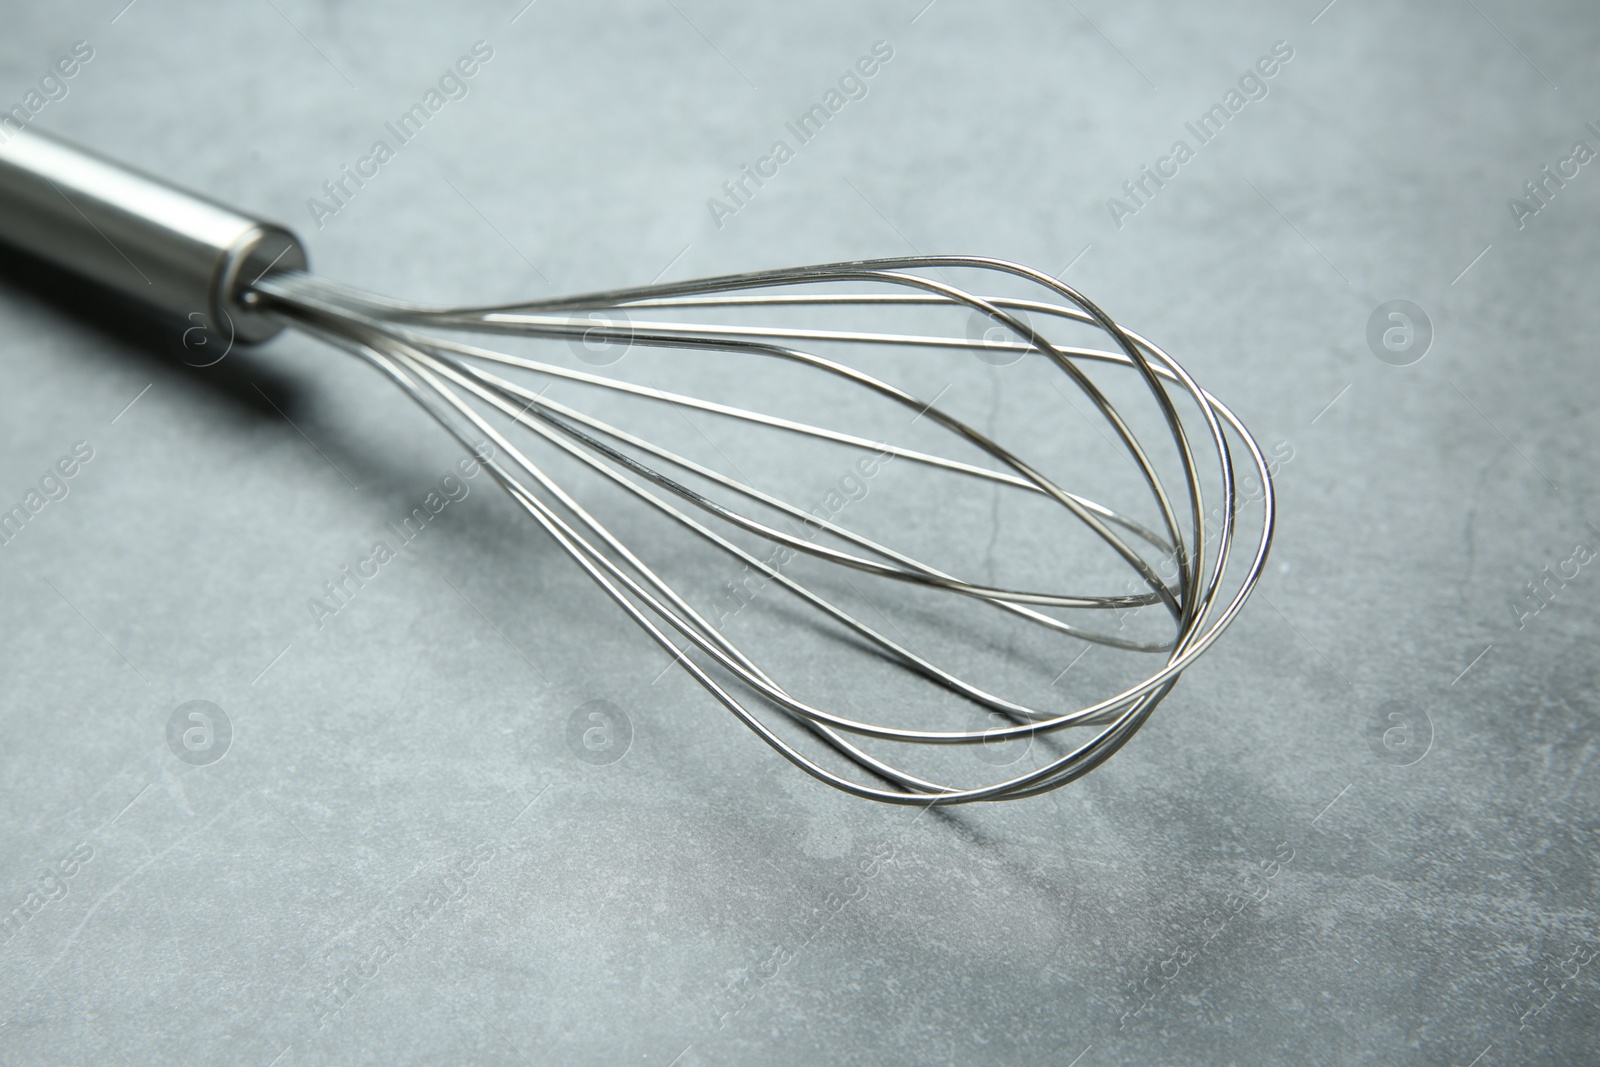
(245, 280)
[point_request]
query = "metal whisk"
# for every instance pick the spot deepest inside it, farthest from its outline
(185, 255)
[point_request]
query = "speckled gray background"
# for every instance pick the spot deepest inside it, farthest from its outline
(677, 906)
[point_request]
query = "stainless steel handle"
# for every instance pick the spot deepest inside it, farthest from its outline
(179, 253)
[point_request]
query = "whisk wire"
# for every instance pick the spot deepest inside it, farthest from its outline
(444, 377)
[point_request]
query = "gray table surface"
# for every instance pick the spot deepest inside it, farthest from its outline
(1432, 902)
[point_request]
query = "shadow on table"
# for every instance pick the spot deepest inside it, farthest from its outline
(171, 348)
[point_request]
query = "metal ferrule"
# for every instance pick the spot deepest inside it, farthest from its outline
(174, 251)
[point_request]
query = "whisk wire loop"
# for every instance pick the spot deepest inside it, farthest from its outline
(453, 382)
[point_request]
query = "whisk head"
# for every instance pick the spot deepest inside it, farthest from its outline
(866, 340)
